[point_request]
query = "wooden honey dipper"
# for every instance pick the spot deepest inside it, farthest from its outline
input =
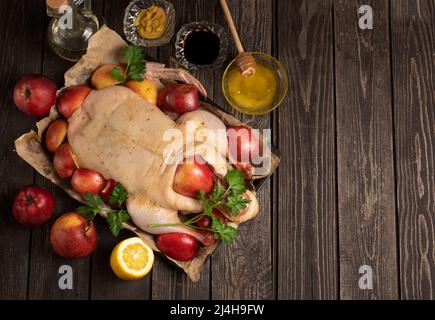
(245, 61)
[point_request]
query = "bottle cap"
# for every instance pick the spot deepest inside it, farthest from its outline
(55, 4)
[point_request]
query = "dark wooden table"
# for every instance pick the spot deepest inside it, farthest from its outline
(356, 185)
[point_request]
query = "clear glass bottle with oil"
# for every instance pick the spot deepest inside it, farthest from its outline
(72, 24)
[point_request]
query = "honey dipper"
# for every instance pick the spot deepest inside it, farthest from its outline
(245, 61)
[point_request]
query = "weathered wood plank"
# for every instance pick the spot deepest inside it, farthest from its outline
(306, 188)
(103, 283)
(413, 47)
(366, 197)
(169, 282)
(243, 270)
(44, 263)
(21, 33)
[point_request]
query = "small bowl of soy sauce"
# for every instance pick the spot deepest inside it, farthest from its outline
(201, 45)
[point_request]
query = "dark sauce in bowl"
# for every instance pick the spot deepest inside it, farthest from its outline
(201, 47)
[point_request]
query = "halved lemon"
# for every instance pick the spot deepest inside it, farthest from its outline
(131, 259)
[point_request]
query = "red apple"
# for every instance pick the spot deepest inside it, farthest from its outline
(192, 177)
(56, 134)
(107, 190)
(178, 98)
(205, 221)
(72, 237)
(35, 95)
(243, 145)
(64, 162)
(208, 237)
(246, 168)
(33, 206)
(87, 180)
(178, 246)
(71, 98)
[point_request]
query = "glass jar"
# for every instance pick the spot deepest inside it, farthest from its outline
(72, 24)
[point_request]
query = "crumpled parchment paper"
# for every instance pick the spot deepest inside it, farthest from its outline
(104, 47)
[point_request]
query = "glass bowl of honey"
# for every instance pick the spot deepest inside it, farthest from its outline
(259, 93)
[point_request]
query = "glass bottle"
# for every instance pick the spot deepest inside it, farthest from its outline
(72, 24)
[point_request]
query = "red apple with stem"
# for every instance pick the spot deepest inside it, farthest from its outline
(35, 95)
(33, 206)
(72, 237)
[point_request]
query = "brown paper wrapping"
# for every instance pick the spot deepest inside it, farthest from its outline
(104, 47)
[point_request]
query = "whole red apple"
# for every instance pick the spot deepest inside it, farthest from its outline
(64, 162)
(178, 246)
(243, 145)
(179, 98)
(193, 176)
(33, 206)
(71, 98)
(87, 180)
(56, 134)
(35, 95)
(72, 237)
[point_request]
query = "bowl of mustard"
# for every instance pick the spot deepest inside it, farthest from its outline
(259, 93)
(149, 23)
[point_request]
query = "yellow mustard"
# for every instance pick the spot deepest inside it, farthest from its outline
(253, 92)
(151, 22)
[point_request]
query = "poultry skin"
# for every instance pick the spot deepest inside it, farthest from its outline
(122, 136)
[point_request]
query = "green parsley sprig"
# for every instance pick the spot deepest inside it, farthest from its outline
(134, 57)
(115, 217)
(230, 196)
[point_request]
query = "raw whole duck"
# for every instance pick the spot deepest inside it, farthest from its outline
(122, 136)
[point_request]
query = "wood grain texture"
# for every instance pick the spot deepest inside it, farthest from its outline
(413, 45)
(168, 281)
(366, 197)
(44, 262)
(27, 22)
(243, 270)
(306, 187)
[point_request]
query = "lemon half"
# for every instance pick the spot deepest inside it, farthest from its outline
(131, 259)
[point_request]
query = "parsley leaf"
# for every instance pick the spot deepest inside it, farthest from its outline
(117, 74)
(93, 200)
(91, 211)
(236, 181)
(236, 203)
(119, 195)
(115, 220)
(223, 231)
(134, 57)
(88, 212)
(230, 197)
